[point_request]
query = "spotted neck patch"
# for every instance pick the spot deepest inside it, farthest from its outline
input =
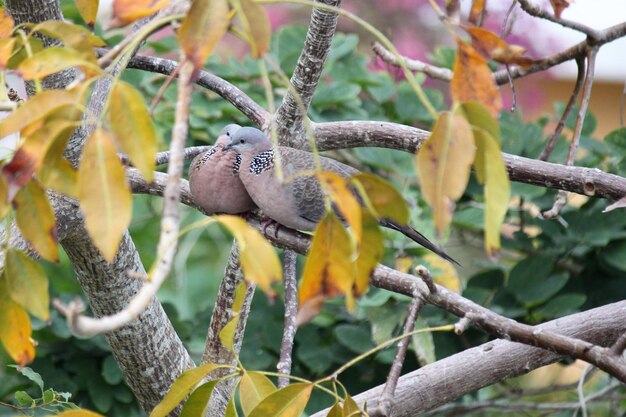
(262, 162)
(237, 164)
(208, 154)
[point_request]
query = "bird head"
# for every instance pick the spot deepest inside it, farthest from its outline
(226, 134)
(248, 139)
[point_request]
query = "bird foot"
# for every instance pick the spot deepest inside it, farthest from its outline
(266, 223)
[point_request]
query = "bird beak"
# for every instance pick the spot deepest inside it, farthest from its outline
(227, 147)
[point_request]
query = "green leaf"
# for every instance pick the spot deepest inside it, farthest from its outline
(615, 255)
(35, 218)
(48, 395)
(253, 388)
(23, 399)
(561, 306)
(231, 410)
(198, 401)
(616, 140)
(530, 280)
(28, 284)
(111, 371)
(133, 128)
(357, 339)
(30, 374)
(423, 344)
(287, 402)
(181, 388)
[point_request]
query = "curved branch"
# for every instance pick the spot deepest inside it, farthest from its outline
(581, 180)
(306, 75)
(226, 90)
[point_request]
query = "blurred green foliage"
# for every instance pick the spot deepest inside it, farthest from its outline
(548, 269)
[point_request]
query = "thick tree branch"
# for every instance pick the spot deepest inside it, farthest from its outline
(306, 75)
(291, 309)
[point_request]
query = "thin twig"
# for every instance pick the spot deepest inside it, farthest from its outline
(385, 404)
(580, 78)
(291, 310)
(537, 11)
(561, 199)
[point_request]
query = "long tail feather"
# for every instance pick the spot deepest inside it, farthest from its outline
(416, 236)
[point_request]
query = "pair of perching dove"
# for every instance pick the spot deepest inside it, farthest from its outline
(237, 175)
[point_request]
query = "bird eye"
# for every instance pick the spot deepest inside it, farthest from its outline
(241, 141)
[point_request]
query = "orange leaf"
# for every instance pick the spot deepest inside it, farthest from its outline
(444, 164)
(88, 10)
(204, 26)
(477, 11)
(6, 23)
(559, 6)
(490, 46)
(472, 79)
(329, 270)
(19, 171)
(127, 11)
(15, 328)
(105, 198)
(35, 218)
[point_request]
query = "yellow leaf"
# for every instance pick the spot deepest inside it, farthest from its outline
(479, 117)
(37, 108)
(73, 36)
(59, 175)
(227, 334)
(6, 50)
(133, 128)
(127, 11)
(370, 253)
(181, 388)
(231, 410)
(27, 283)
(444, 273)
(240, 296)
(105, 198)
(39, 141)
(15, 328)
(88, 10)
(253, 388)
(52, 60)
(78, 413)
(259, 261)
(329, 270)
(491, 171)
(4, 197)
(472, 80)
(497, 189)
(335, 411)
(350, 408)
(287, 402)
(6, 23)
(491, 46)
(196, 404)
(36, 221)
(387, 202)
(204, 26)
(257, 26)
(344, 199)
(444, 164)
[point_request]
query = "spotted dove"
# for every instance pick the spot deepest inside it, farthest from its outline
(213, 179)
(299, 202)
